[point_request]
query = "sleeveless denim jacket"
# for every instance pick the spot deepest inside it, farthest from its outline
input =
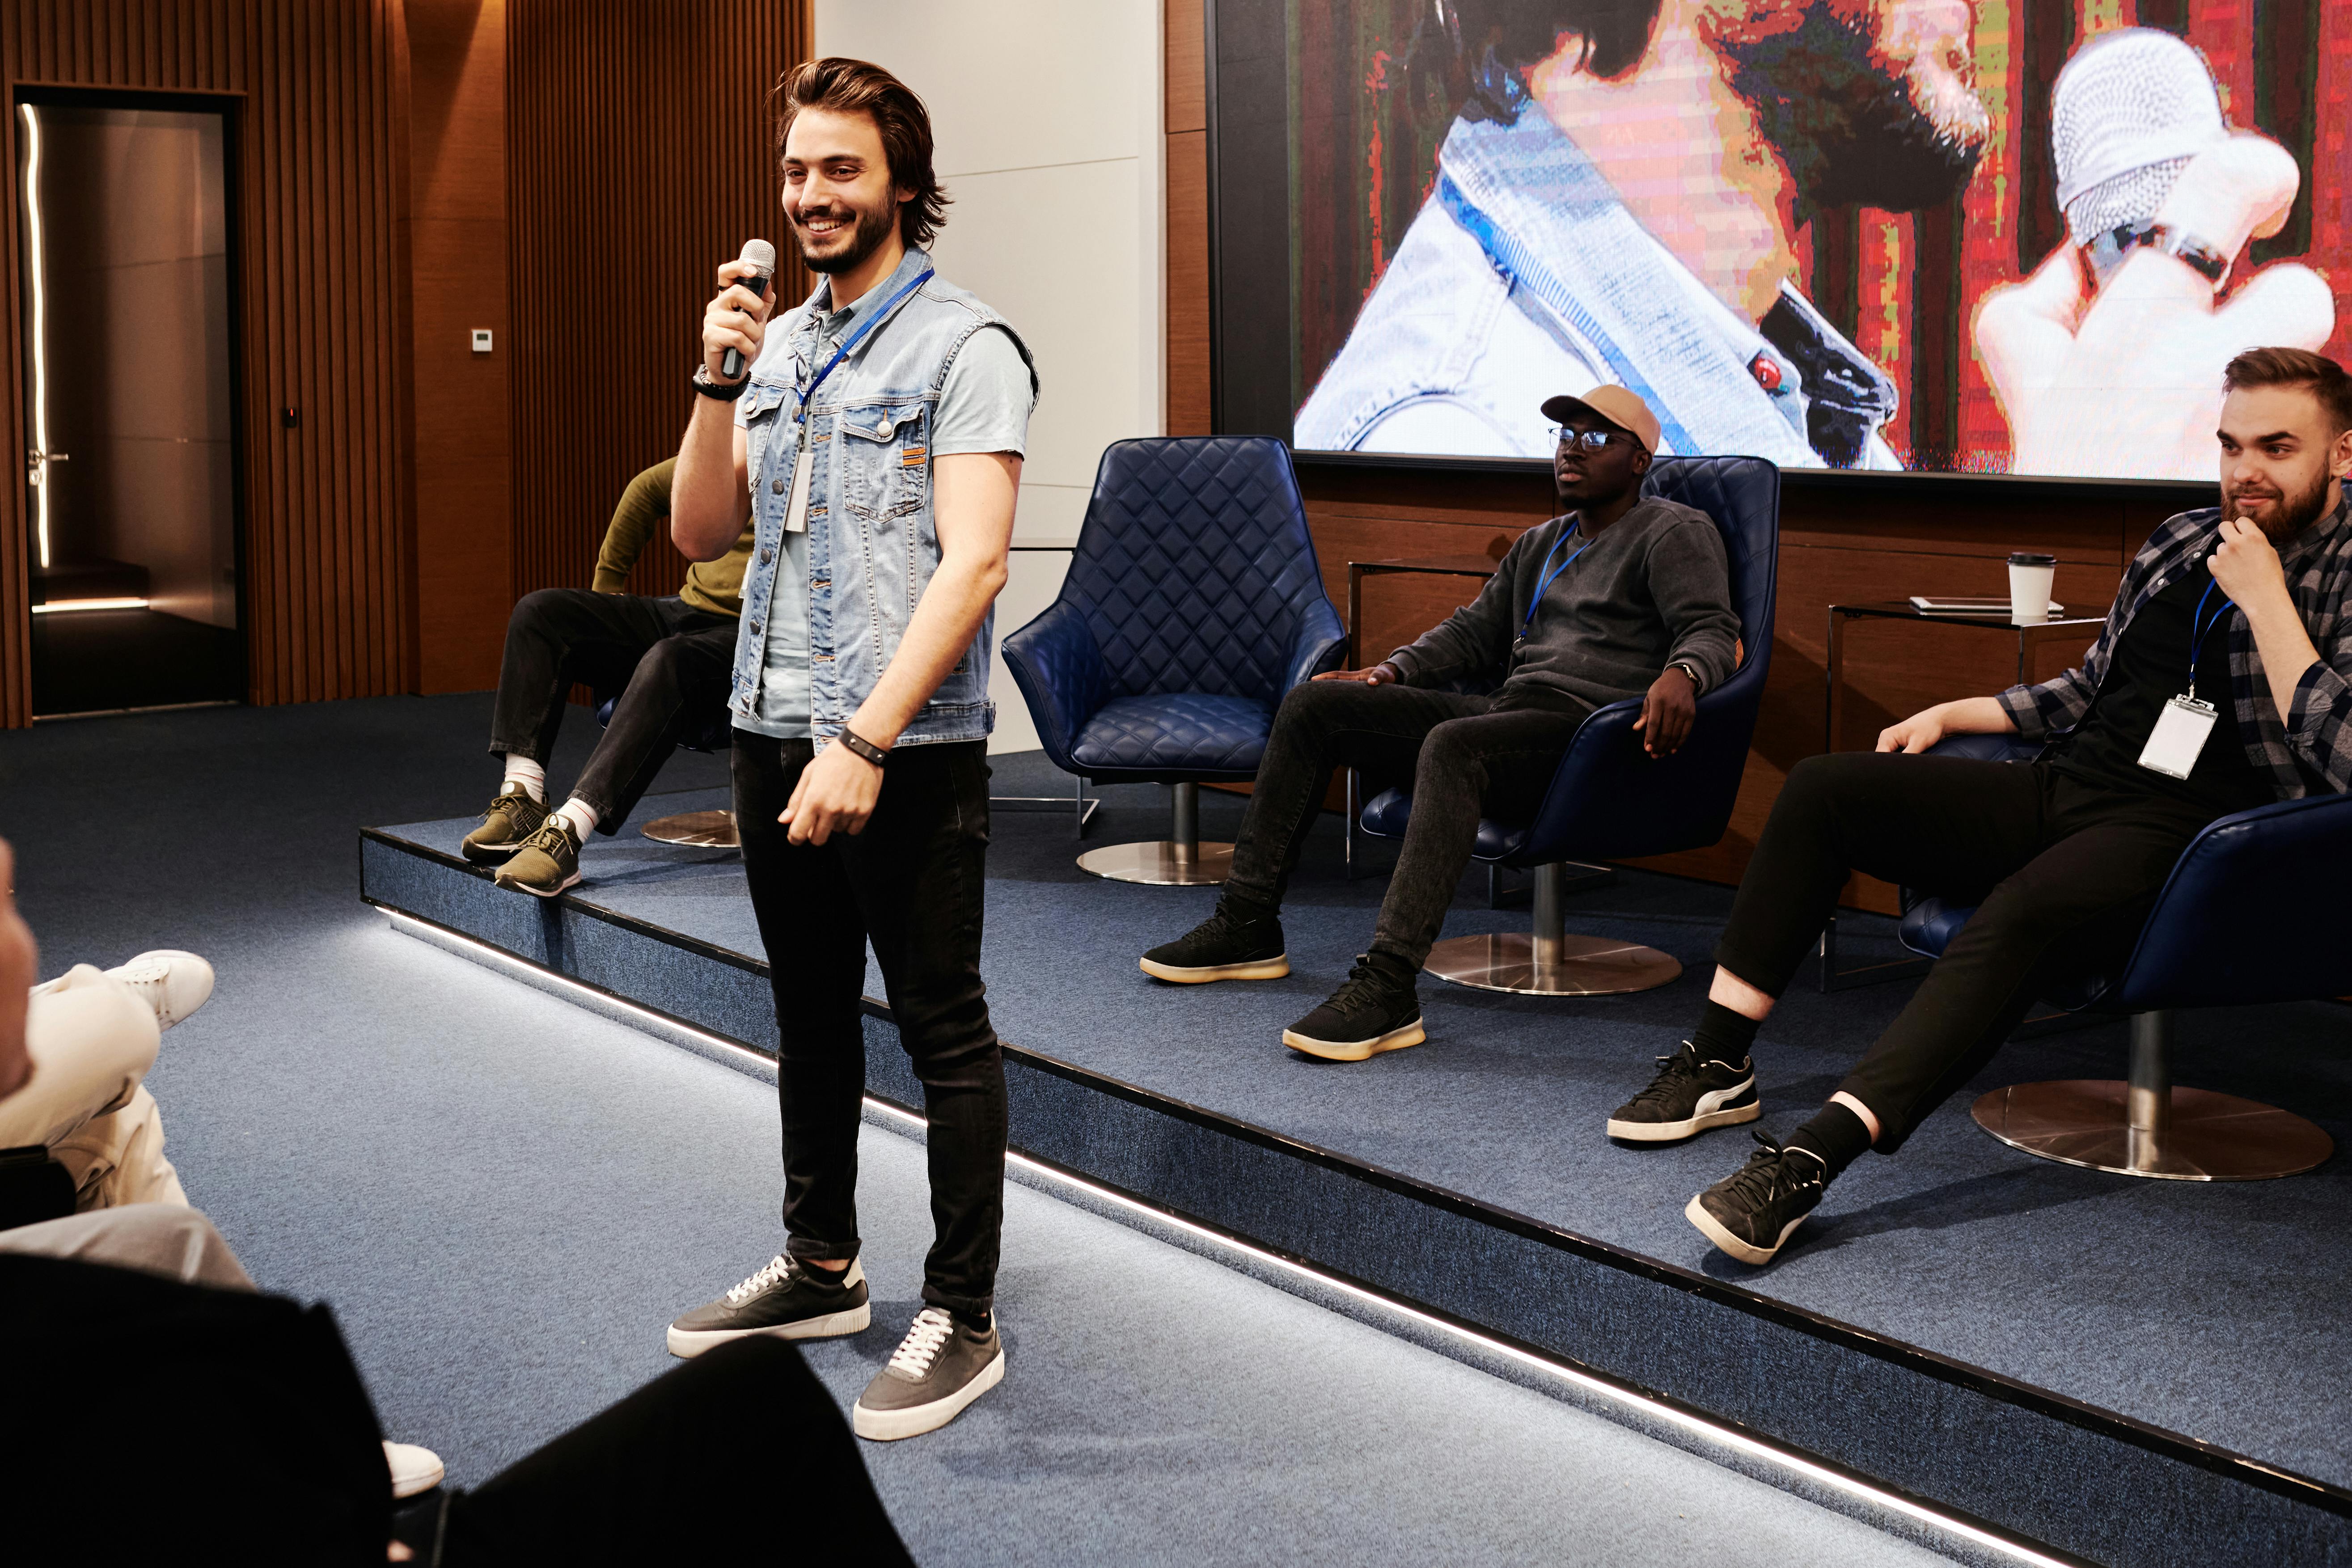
(872, 544)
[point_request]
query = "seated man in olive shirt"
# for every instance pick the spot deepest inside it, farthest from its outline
(671, 656)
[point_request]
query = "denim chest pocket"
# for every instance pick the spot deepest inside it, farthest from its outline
(765, 421)
(886, 458)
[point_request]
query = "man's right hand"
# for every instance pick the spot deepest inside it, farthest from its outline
(1382, 674)
(737, 319)
(1915, 734)
(1968, 716)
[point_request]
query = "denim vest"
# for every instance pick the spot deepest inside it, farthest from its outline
(872, 543)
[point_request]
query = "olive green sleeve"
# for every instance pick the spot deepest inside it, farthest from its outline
(643, 506)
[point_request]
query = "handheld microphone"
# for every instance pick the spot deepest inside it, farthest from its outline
(2127, 113)
(761, 257)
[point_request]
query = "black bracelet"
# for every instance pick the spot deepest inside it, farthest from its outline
(725, 390)
(863, 747)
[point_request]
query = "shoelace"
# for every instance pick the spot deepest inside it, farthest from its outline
(1769, 1175)
(1364, 984)
(775, 1268)
(553, 836)
(1672, 1071)
(921, 1346)
(500, 803)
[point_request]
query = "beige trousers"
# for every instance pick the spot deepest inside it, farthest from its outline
(169, 1239)
(92, 1040)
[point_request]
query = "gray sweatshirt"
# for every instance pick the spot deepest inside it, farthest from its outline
(1651, 590)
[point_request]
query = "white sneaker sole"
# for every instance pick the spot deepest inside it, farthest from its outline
(914, 1420)
(1696, 1211)
(571, 881)
(1272, 968)
(688, 1343)
(1674, 1132)
(1396, 1039)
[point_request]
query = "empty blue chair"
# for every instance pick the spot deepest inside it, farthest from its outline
(1609, 799)
(1193, 603)
(2254, 911)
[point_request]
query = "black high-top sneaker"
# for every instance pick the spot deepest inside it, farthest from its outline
(1375, 1011)
(1688, 1095)
(938, 1368)
(787, 1300)
(1225, 946)
(1750, 1213)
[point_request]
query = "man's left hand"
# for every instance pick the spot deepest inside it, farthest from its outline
(2247, 567)
(835, 794)
(1667, 711)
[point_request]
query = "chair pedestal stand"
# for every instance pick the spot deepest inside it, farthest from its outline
(695, 830)
(2145, 1127)
(1181, 860)
(1547, 961)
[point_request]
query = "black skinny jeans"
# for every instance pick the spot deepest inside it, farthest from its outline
(2062, 874)
(670, 661)
(1463, 756)
(913, 884)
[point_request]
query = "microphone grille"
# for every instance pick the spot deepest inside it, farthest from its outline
(2125, 116)
(758, 253)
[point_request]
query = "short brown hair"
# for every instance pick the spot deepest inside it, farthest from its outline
(2295, 367)
(856, 87)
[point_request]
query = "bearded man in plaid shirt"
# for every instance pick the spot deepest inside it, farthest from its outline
(2221, 681)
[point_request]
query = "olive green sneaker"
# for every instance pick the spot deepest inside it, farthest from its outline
(547, 863)
(510, 820)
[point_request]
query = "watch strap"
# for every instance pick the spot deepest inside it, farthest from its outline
(724, 390)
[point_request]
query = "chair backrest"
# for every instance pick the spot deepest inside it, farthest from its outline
(1743, 495)
(1193, 568)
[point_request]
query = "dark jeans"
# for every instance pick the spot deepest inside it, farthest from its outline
(913, 884)
(670, 662)
(1463, 756)
(2062, 875)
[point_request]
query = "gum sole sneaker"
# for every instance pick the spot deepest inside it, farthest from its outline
(1221, 948)
(510, 820)
(1272, 968)
(1373, 1012)
(786, 1300)
(548, 862)
(1395, 1039)
(940, 1367)
(1750, 1213)
(1686, 1098)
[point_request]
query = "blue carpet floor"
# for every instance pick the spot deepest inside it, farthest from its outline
(505, 1197)
(2208, 1309)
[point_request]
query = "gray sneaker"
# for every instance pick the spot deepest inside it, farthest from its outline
(786, 1301)
(938, 1369)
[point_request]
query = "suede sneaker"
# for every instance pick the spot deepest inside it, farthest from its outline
(1373, 1012)
(938, 1369)
(1688, 1097)
(1222, 948)
(1750, 1213)
(548, 862)
(510, 820)
(788, 1299)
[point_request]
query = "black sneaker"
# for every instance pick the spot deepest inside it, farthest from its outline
(1688, 1095)
(1750, 1213)
(1221, 948)
(938, 1369)
(1370, 1014)
(788, 1299)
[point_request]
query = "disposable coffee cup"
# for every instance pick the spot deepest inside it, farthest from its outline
(2030, 579)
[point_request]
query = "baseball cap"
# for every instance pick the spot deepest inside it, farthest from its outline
(1617, 406)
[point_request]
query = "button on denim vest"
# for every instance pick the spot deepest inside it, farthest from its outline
(872, 543)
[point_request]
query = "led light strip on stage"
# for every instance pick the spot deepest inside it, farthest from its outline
(63, 606)
(1755, 1451)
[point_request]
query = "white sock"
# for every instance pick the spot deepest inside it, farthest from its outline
(525, 775)
(580, 815)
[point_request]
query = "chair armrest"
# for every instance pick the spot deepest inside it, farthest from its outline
(1321, 645)
(1062, 676)
(1611, 800)
(1995, 748)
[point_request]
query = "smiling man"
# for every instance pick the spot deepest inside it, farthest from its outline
(1620, 596)
(874, 445)
(2223, 680)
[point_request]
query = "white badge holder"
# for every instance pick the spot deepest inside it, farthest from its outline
(796, 514)
(2179, 735)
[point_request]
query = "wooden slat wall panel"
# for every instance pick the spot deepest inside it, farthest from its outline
(317, 306)
(640, 156)
(1185, 116)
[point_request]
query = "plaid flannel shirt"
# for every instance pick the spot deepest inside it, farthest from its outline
(2311, 751)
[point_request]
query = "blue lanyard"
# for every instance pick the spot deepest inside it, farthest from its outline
(800, 415)
(2199, 628)
(1543, 583)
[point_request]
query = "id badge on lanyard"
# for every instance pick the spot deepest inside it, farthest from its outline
(796, 514)
(2182, 727)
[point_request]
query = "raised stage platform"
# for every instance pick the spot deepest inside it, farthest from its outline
(2129, 1373)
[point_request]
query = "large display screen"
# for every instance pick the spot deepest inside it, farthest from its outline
(1980, 236)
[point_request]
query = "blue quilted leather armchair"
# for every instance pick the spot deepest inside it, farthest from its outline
(1609, 799)
(2254, 911)
(1193, 603)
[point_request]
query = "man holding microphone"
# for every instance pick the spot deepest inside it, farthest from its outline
(874, 440)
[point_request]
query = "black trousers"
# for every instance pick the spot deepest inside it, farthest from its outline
(911, 884)
(671, 662)
(2062, 874)
(1463, 756)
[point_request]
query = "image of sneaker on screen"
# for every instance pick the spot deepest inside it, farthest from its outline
(1618, 200)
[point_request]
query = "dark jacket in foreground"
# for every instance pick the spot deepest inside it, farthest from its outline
(1651, 589)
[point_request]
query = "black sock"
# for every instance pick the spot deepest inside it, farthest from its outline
(1724, 1035)
(1835, 1136)
(975, 1323)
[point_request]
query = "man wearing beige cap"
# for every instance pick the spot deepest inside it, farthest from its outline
(1620, 596)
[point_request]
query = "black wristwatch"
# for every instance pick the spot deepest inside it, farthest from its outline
(863, 747)
(725, 390)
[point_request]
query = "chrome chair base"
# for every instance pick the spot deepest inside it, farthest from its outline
(1584, 965)
(1164, 862)
(2208, 1137)
(695, 830)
